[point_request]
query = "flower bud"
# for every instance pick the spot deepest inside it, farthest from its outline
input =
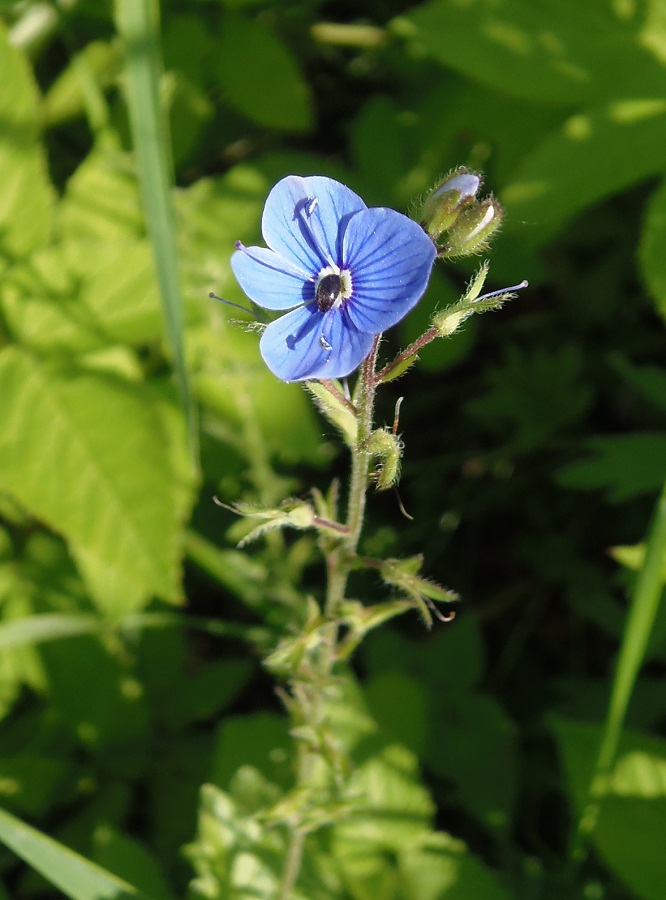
(387, 448)
(445, 202)
(472, 229)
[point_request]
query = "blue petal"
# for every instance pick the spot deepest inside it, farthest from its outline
(306, 233)
(306, 343)
(269, 280)
(390, 258)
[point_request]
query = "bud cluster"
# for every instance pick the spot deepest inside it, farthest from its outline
(455, 219)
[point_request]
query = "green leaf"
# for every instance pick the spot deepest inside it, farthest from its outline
(102, 464)
(260, 740)
(471, 739)
(75, 876)
(399, 705)
(632, 819)
(625, 466)
(261, 78)
(653, 240)
(129, 859)
(101, 199)
(649, 381)
(439, 866)
(65, 99)
(541, 51)
(95, 699)
(30, 782)
(595, 154)
(26, 195)
(537, 393)
(396, 808)
(46, 627)
(84, 295)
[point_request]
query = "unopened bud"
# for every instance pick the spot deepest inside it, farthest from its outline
(386, 447)
(445, 203)
(473, 228)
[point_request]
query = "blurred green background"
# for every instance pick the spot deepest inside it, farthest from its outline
(132, 628)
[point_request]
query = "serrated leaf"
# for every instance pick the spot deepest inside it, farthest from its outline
(542, 51)
(26, 195)
(625, 466)
(103, 464)
(594, 155)
(261, 78)
(83, 295)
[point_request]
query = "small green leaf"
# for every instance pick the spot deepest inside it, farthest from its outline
(261, 78)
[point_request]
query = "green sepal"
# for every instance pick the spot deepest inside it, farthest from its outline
(332, 403)
(472, 229)
(449, 320)
(399, 369)
(403, 574)
(386, 448)
(290, 514)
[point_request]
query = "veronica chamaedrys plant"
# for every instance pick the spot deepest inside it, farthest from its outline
(346, 272)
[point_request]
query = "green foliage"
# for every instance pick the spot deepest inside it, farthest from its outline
(135, 716)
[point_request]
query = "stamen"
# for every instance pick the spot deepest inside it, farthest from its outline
(312, 224)
(246, 309)
(507, 290)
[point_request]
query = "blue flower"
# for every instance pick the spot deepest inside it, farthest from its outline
(346, 272)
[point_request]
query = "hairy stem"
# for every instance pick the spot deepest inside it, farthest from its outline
(338, 567)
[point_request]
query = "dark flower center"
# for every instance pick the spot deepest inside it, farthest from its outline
(328, 291)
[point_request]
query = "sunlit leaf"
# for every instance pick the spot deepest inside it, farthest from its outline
(26, 196)
(103, 466)
(260, 77)
(541, 50)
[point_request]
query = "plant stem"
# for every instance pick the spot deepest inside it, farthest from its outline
(338, 567)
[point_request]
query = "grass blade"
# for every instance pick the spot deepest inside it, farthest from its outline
(138, 24)
(75, 876)
(643, 611)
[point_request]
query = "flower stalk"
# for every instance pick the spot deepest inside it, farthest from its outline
(341, 274)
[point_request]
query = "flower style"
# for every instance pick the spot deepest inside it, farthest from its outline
(346, 272)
